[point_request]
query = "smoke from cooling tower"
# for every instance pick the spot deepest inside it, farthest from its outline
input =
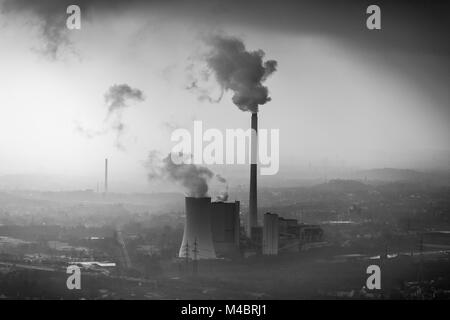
(193, 178)
(238, 70)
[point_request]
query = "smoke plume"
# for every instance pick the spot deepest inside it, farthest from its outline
(224, 195)
(194, 179)
(116, 99)
(52, 16)
(240, 71)
(87, 133)
(220, 178)
(117, 95)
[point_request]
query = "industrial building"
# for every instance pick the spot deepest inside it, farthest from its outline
(270, 234)
(289, 240)
(212, 229)
(288, 226)
(225, 227)
(287, 235)
(310, 233)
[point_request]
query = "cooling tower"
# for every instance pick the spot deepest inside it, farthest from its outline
(197, 229)
(253, 206)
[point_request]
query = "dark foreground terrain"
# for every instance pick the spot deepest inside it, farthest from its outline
(286, 277)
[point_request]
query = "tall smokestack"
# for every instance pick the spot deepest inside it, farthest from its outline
(253, 204)
(106, 175)
(242, 72)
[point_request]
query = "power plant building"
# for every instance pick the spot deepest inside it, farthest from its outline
(310, 233)
(225, 227)
(211, 229)
(288, 226)
(270, 234)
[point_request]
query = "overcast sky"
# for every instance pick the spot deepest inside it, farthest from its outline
(342, 95)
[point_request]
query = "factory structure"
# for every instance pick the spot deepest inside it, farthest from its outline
(213, 229)
(271, 234)
(225, 227)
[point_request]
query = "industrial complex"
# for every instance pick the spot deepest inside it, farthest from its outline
(213, 229)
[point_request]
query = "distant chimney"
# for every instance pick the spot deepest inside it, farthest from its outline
(253, 205)
(106, 175)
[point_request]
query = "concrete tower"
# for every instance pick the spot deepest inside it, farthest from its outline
(253, 204)
(197, 229)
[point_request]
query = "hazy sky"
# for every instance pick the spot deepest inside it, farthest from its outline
(342, 95)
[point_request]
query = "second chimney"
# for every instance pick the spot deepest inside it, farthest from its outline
(106, 175)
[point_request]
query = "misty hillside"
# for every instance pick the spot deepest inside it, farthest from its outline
(50, 182)
(402, 175)
(342, 186)
(43, 182)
